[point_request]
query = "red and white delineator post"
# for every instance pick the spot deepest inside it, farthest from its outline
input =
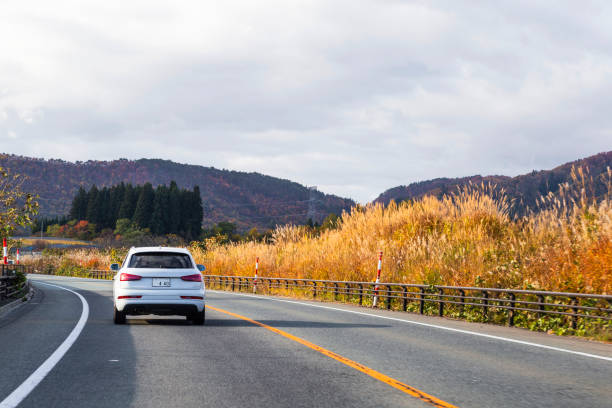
(375, 301)
(17, 259)
(255, 280)
(4, 251)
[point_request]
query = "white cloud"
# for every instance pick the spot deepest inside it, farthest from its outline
(352, 97)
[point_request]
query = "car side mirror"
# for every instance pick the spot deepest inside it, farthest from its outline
(201, 268)
(114, 267)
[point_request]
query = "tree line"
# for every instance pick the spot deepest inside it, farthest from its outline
(162, 210)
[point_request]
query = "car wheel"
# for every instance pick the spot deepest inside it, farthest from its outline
(199, 318)
(118, 317)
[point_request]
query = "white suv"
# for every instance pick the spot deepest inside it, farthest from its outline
(159, 281)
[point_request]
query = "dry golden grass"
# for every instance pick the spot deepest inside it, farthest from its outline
(79, 259)
(56, 241)
(467, 238)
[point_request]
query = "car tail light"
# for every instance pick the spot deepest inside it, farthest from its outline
(192, 297)
(129, 297)
(192, 278)
(129, 277)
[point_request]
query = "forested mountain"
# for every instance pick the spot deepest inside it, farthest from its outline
(248, 199)
(524, 189)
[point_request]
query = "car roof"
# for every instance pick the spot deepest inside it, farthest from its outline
(134, 250)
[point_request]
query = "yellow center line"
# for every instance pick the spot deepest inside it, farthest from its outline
(359, 367)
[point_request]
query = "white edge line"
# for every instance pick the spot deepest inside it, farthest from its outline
(435, 326)
(41, 372)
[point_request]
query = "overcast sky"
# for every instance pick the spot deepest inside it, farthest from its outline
(352, 96)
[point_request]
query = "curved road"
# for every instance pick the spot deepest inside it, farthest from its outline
(293, 354)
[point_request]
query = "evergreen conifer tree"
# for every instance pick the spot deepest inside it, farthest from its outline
(174, 209)
(116, 198)
(103, 205)
(93, 210)
(128, 204)
(144, 206)
(160, 210)
(78, 211)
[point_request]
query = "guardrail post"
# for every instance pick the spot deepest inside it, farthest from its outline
(540, 305)
(485, 304)
(314, 289)
(440, 302)
(575, 310)
(233, 284)
(422, 301)
(511, 311)
(375, 300)
(404, 298)
(462, 305)
(335, 291)
(388, 299)
(256, 272)
(360, 294)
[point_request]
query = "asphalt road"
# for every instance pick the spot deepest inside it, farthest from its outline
(232, 362)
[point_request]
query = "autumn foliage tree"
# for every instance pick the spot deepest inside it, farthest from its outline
(17, 207)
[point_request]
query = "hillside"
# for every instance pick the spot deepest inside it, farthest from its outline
(524, 189)
(248, 199)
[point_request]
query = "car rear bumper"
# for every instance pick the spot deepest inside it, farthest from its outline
(166, 302)
(161, 309)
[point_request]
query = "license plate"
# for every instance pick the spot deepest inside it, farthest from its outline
(161, 282)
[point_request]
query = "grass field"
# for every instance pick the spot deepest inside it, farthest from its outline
(467, 238)
(30, 241)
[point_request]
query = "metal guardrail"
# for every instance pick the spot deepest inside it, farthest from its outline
(436, 299)
(90, 273)
(454, 301)
(10, 284)
(11, 269)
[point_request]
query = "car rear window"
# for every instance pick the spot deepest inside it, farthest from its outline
(167, 260)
